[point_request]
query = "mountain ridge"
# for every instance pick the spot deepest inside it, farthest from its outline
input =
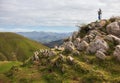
(45, 37)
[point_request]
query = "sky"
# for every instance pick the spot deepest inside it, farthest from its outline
(52, 15)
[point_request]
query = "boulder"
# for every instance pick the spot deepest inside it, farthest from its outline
(82, 46)
(112, 39)
(69, 46)
(97, 44)
(100, 55)
(117, 52)
(77, 41)
(114, 28)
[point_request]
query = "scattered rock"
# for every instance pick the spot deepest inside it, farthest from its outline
(100, 55)
(117, 52)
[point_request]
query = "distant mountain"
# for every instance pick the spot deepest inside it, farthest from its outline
(17, 47)
(45, 37)
(54, 43)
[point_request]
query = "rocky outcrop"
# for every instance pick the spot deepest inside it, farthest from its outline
(95, 38)
(117, 52)
(114, 28)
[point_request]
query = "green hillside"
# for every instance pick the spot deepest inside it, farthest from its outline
(17, 47)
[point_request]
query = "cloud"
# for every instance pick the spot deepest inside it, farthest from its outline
(54, 12)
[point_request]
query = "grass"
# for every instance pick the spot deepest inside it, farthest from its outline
(6, 65)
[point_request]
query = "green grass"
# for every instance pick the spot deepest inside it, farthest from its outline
(6, 65)
(16, 47)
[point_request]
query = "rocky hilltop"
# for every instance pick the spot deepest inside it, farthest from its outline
(90, 55)
(101, 38)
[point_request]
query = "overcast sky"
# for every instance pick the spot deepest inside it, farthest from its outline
(52, 15)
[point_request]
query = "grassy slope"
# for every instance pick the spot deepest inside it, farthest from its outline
(5, 66)
(16, 47)
(84, 69)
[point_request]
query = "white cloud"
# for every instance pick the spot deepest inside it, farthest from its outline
(54, 12)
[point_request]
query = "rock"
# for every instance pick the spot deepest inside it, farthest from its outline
(117, 52)
(61, 56)
(74, 35)
(100, 55)
(112, 39)
(69, 46)
(51, 53)
(94, 33)
(91, 36)
(76, 52)
(88, 38)
(113, 19)
(56, 47)
(35, 57)
(82, 46)
(41, 50)
(98, 44)
(114, 29)
(92, 25)
(70, 58)
(60, 48)
(102, 23)
(77, 41)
